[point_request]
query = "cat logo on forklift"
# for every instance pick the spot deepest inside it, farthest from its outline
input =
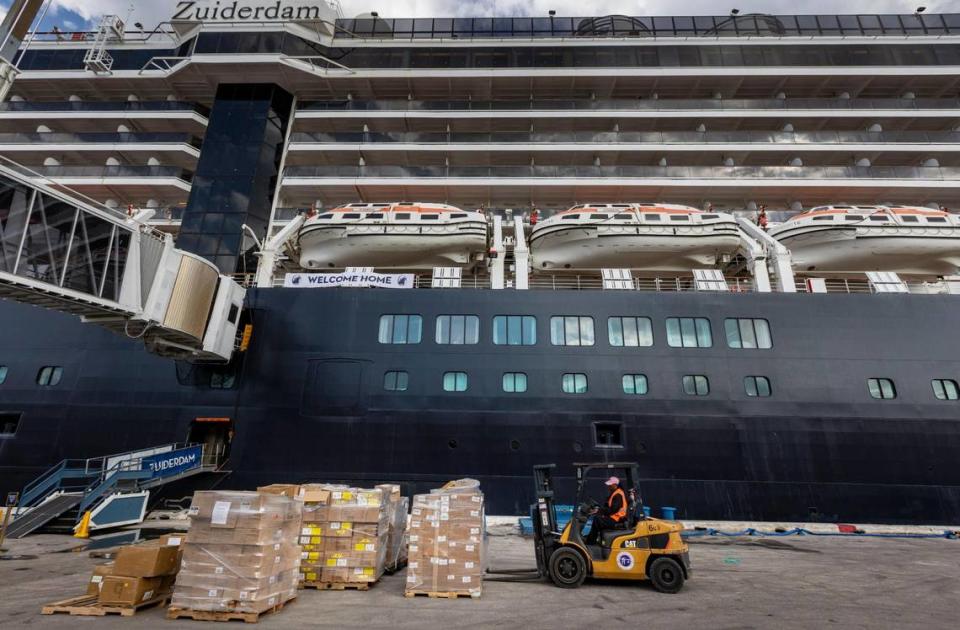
(630, 544)
(625, 560)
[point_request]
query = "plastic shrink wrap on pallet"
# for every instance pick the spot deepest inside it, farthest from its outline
(241, 553)
(447, 543)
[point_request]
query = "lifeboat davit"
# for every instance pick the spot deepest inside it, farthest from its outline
(855, 239)
(653, 237)
(393, 235)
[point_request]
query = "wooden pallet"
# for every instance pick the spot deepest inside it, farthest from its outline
(213, 615)
(443, 595)
(86, 605)
(338, 586)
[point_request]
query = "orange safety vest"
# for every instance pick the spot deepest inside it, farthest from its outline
(620, 514)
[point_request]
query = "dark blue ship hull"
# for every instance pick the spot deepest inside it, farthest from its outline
(307, 400)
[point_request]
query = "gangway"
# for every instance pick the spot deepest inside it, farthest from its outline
(60, 252)
(115, 488)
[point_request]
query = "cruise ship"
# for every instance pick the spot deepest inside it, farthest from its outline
(365, 249)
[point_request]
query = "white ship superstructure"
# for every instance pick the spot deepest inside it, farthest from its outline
(724, 114)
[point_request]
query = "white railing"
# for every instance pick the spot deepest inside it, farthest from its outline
(668, 284)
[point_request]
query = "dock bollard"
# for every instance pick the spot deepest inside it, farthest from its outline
(669, 513)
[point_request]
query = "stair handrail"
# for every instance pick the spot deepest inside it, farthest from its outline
(98, 464)
(96, 491)
(50, 481)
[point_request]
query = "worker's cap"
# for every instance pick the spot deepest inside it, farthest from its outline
(612, 481)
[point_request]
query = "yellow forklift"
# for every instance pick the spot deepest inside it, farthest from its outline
(643, 548)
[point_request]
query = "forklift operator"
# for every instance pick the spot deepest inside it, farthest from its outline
(613, 515)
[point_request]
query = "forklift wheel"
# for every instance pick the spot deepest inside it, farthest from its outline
(666, 575)
(567, 568)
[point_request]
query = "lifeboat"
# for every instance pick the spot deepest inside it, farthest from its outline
(654, 237)
(855, 239)
(393, 235)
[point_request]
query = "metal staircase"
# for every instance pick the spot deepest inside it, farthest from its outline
(113, 488)
(97, 59)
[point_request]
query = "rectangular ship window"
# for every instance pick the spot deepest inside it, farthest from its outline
(514, 382)
(571, 331)
(49, 376)
(458, 329)
(608, 434)
(945, 389)
(515, 330)
(696, 385)
(881, 388)
(454, 381)
(758, 386)
(689, 332)
(3, 374)
(748, 333)
(400, 329)
(635, 384)
(574, 384)
(629, 331)
(395, 381)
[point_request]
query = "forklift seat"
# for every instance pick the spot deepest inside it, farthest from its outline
(607, 536)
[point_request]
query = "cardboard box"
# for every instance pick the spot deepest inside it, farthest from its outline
(291, 490)
(241, 554)
(128, 591)
(147, 560)
(96, 579)
(446, 540)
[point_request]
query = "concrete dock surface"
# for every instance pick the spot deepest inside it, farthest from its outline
(789, 582)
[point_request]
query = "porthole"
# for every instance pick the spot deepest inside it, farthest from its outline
(452, 444)
(514, 445)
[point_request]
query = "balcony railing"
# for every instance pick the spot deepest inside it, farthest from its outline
(706, 26)
(638, 104)
(601, 172)
(629, 137)
(113, 171)
(665, 284)
(103, 106)
(139, 137)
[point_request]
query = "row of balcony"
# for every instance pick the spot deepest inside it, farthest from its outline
(139, 137)
(651, 104)
(631, 137)
(119, 171)
(605, 172)
(104, 106)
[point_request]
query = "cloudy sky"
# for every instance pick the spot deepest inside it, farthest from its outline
(80, 14)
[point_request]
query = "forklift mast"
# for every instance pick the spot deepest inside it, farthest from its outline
(545, 521)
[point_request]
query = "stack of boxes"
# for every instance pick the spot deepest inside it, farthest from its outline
(344, 534)
(139, 574)
(447, 541)
(241, 554)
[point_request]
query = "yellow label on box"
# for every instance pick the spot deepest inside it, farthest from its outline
(364, 571)
(364, 547)
(310, 555)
